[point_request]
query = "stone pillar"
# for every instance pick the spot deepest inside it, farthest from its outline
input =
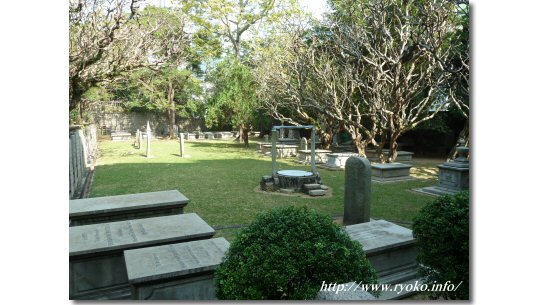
(357, 198)
(274, 136)
(182, 145)
(148, 135)
(304, 144)
(313, 151)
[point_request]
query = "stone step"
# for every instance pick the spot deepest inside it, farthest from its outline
(317, 192)
(182, 271)
(311, 186)
(287, 191)
(125, 207)
(96, 262)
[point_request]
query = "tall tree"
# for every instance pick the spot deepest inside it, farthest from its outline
(403, 50)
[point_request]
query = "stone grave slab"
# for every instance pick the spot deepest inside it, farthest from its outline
(390, 248)
(387, 172)
(303, 156)
(402, 156)
(182, 271)
(124, 207)
(96, 263)
(120, 136)
(337, 161)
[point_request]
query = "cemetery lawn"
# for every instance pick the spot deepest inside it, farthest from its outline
(221, 176)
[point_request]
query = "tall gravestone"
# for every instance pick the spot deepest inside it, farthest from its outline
(304, 144)
(266, 138)
(148, 134)
(182, 144)
(357, 198)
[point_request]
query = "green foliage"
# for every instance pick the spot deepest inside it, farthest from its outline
(287, 253)
(234, 100)
(442, 233)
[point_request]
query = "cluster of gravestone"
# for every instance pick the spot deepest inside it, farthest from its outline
(289, 145)
(199, 135)
(141, 246)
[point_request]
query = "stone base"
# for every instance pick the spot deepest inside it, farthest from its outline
(294, 181)
(392, 179)
(303, 156)
(390, 170)
(391, 249)
(120, 136)
(435, 191)
(338, 160)
(282, 151)
(402, 156)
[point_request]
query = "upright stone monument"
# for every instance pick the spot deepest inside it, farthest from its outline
(453, 176)
(138, 138)
(266, 138)
(357, 198)
(182, 145)
(304, 144)
(148, 148)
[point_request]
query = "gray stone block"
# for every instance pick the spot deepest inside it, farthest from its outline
(182, 271)
(358, 188)
(391, 249)
(323, 187)
(286, 191)
(96, 264)
(317, 192)
(311, 186)
(124, 207)
(390, 170)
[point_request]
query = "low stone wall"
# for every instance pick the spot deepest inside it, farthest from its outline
(83, 152)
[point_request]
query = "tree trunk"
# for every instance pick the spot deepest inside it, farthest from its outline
(240, 135)
(379, 148)
(245, 135)
(393, 148)
(464, 134)
(361, 146)
(171, 110)
(326, 138)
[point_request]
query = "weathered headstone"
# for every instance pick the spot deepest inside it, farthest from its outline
(182, 271)
(96, 263)
(148, 149)
(182, 145)
(125, 207)
(304, 144)
(357, 198)
(266, 138)
(138, 138)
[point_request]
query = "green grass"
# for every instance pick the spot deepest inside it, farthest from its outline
(221, 176)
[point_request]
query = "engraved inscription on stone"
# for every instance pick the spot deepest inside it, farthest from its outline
(156, 260)
(132, 232)
(108, 235)
(142, 229)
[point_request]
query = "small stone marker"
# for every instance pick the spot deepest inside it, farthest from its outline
(266, 138)
(182, 271)
(182, 145)
(357, 198)
(148, 128)
(304, 144)
(125, 207)
(96, 263)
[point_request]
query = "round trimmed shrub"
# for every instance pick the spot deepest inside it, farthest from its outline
(287, 253)
(442, 232)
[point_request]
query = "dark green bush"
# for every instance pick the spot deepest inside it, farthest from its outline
(442, 233)
(286, 254)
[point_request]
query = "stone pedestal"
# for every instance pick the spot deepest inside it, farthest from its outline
(125, 207)
(453, 176)
(391, 249)
(181, 271)
(386, 172)
(304, 156)
(120, 136)
(282, 151)
(402, 156)
(337, 161)
(96, 263)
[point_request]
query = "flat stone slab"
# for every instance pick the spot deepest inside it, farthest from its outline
(125, 207)
(317, 192)
(338, 160)
(378, 235)
(136, 233)
(402, 155)
(435, 191)
(391, 249)
(311, 186)
(96, 263)
(390, 170)
(174, 260)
